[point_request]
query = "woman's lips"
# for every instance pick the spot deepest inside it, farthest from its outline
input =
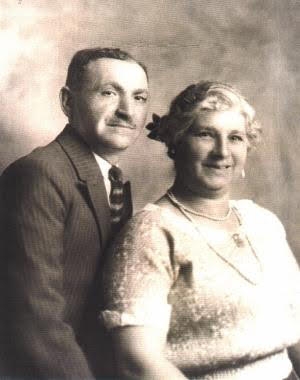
(217, 166)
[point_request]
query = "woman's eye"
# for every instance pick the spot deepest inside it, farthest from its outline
(204, 134)
(108, 93)
(236, 138)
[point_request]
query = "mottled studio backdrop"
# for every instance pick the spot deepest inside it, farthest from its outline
(254, 44)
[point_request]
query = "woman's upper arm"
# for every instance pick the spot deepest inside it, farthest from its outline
(139, 354)
(136, 346)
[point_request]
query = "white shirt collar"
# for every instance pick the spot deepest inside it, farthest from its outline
(104, 169)
(103, 164)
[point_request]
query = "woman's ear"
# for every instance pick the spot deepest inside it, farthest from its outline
(65, 96)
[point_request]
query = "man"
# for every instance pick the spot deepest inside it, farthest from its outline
(57, 221)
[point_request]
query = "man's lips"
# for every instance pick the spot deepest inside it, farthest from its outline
(121, 125)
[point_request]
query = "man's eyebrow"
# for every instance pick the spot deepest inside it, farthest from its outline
(140, 90)
(117, 86)
(111, 83)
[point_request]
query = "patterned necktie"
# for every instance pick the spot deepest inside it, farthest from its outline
(116, 197)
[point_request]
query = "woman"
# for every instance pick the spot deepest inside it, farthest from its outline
(197, 285)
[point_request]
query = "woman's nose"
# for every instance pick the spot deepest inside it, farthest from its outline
(221, 147)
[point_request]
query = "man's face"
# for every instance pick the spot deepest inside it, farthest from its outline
(110, 108)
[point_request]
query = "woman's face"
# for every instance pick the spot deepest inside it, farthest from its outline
(212, 152)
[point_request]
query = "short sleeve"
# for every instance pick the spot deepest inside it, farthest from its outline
(138, 274)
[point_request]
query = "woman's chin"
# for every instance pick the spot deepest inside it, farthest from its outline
(210, 190)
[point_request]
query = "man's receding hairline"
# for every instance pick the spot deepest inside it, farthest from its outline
(130, 60)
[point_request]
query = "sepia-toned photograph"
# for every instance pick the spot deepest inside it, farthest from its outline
(149, 190)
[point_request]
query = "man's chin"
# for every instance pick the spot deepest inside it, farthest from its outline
(114, 147)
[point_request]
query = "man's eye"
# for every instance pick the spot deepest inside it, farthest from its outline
(141, 98)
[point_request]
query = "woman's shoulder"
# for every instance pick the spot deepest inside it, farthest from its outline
(248, 206)
(150, 229)
(151, 211)
(257, 215)
(156, 220)
(151, 215)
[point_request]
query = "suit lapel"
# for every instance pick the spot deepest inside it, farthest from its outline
(89, 178)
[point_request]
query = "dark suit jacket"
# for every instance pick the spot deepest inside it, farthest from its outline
(55, 225)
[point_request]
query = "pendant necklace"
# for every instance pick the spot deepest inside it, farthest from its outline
(236, 237)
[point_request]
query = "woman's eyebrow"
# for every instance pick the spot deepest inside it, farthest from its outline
(201, 126)
(238, 131)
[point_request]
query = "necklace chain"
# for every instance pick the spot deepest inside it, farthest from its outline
(236, 237)
(198, 213)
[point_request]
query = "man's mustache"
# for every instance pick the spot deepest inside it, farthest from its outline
(125, 122)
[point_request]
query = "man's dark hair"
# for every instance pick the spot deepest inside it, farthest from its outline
(83, 57)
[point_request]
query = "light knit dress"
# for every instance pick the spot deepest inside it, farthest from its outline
(229, 315)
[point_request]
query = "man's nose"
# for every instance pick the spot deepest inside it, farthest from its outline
(124, 106)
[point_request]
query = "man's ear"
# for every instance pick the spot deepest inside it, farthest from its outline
(66, 100)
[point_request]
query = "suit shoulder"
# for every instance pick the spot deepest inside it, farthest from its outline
(42, 174)
(47, 159)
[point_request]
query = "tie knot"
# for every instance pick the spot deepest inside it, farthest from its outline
(115, 174)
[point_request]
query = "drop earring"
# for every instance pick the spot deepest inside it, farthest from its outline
(172, 152)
